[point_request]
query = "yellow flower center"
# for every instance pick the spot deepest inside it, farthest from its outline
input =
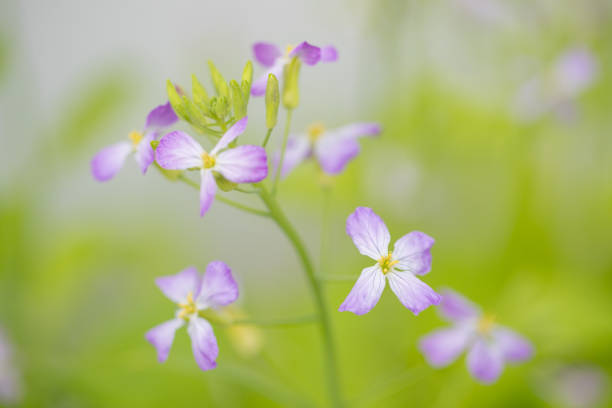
(288, 49)
(387, 262)
(315, 131)
(208, 160)
(485, 324)
(135, 137)
(188, 308)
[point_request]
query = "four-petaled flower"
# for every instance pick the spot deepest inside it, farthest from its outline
(108, 161)
(194, 293)
(271, 57)
(411, 256)
(332, 149)
(243, 164)
(490, 345)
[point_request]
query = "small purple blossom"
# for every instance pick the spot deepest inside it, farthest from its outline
(490, 346)
(108, 161)
(411, 256)
(274, 60)
(243, 164)
(194, 293)
(332, 149)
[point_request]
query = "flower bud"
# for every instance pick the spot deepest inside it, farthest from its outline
(272, 101)
(238, 103)
(221, 107)
(218, 80)
(247, 79)
(223, 183)
(177, 102)
(291, 92)
(200, 97)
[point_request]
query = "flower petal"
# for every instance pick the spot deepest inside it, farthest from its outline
(485, 362)
(329, 54)
(334, 153)
(412, 251)
(145, 155)
(357, 130)
(243, 164)
(162, 336)
(160, 117)
(266, 53)
(203, 343)
(178, 151)
(457, 308)
(443, 346)
(298, 149)
(108, 161)
(218, 286)
(412, 292)
(513, 346)
(258, 88)
(575, 71)
(177, 287)
(366, 292)
(308, 53)
(208, 190)
(369, 233)
(236, 130)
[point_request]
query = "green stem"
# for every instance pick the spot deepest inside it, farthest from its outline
(333, 383)
(324, 229)
(282, 155)
(265, 142)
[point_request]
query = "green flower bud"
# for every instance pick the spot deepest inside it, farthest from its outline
(247, 76)
(221, 107)
(272, 101)
(291, 91)
(238, 103)
(200, 97)
(223, 183)
(154, 144)
(177, 102)
(218, 80)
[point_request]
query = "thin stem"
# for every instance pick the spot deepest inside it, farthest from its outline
(324, 229)
(333, 383)
(246, 191)
(282, 155)
(265, 142)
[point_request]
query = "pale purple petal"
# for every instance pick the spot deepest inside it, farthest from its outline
(333, 154)
(413, 252)
(161, 116)
(443, 346)
(357, 130)
(203, 343)
(145, 155)
(162, 336)
(413, 293)
(258, 88)
(218, 286)
(177, 287)
(485, 362)
(208, 190)
(298, 149)
(243, 164)
(513, 346)
(366, 292)
(232, 133)
(369, 233)
(329, 54)
(108, 161)
(308, 53)
(457, 308)
(178, 151)
(575, 71)
(266, 53)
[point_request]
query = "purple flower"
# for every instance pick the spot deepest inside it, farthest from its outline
(274, 60)
(10, 384)
(193, 293)
(109, 160)
(332, 149)
(489, 345)
(243, 164)
(411, 256)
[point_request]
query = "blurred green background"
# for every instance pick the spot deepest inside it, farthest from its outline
(521, 209)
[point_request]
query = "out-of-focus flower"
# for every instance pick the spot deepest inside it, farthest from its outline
(247, 339)
(557, 89)
(108, 161)
(243, 164)
(332, 149)
(490, 345)
(411, 256)
(10, 384)
(572, 385)
(274, 60)
(193, 293)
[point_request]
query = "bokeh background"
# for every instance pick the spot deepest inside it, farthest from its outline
(515, 185)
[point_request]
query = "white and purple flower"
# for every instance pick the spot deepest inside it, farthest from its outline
(274, 60)
(490, 345)
(332, 149)
(243, 164)
(411, 256)
(108, 161)
(194, 293)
